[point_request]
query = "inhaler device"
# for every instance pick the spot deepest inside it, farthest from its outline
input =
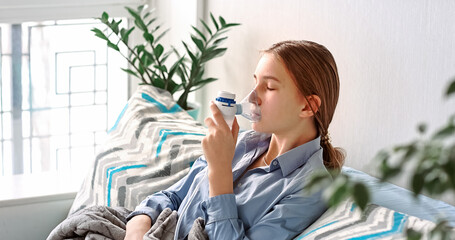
(247, 108)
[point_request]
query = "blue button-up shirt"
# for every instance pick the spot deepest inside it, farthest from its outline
(267, 203)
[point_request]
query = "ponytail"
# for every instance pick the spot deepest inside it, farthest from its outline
(333, 157)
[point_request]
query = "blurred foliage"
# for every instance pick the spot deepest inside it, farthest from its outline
(430, 158)
(148, 60)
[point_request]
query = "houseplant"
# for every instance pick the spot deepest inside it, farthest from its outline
(430, 158)
(149, 61)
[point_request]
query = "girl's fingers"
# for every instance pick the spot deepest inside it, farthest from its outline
(209, 122)
(235, 129)
(217, 114)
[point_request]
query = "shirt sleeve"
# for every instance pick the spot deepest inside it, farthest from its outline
(285, 220)
(171, 197)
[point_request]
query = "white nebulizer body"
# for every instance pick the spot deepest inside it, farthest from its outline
(247, 108)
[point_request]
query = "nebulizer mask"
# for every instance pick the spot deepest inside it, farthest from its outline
(248, 107)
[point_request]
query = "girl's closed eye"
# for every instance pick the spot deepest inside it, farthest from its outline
(271, 87)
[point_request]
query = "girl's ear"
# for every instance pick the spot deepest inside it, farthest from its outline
(312, 103)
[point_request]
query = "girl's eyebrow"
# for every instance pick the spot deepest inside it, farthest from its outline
(267, 77)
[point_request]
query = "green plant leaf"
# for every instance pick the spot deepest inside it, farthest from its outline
(137, 19)
(140, 48)
(422, 128)
(199, 33)
(156, 29)
(193, 58)
(219, 33)
(165, 56)
(158, 82)
(451, 89)
(176, 88)
(231, 25)
(214, 21)
(386, 170)
(99, 34)
(158, 51)
(318, 180)
(413, 235)
(222, 21)
(449, 166)
(445, 132)
(198, 42)
(129, 71)
(125, 34)
(149, 37)
(417, 183)
(338, 191)
(441, 230)
(219, 41)
(213, 54)
(113, 46)
(141, 69)
(147, 58)
(115, 26)
(182, 76)
(202, 83)
(174, 67)
(104, 17)
(206, 27)
(411, 150)
(146, 15)
(340, 194)
(151, 21)
(171, 86)
(161, 68)
(361, 195)
(162, 35)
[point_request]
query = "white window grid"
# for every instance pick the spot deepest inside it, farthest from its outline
(82, 110)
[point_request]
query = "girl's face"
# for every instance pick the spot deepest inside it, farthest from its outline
(278, 97)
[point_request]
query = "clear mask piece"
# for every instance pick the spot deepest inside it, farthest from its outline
(249, 107)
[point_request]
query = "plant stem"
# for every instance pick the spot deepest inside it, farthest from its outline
(131, 63)
(160, 64)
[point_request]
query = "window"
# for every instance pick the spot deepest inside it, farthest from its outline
(61, 88)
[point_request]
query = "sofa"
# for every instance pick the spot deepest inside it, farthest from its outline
(154, 142)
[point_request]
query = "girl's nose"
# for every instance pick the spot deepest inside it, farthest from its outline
(254, 96)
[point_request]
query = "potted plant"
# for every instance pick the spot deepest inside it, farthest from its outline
(149, 61)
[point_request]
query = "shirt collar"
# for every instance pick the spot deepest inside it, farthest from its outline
(290, 160)
(296, 157)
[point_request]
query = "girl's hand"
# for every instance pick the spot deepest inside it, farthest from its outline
(219, 147)
(137, 227)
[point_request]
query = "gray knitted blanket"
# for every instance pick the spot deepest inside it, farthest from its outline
(101, 223)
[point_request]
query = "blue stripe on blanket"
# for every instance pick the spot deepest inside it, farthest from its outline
(398, 223)
(110, 172)
(161, 107)
(118, 119)
(165, 132)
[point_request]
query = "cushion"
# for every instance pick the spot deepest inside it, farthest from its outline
(402, 200)
(346, 221)
(151, 146)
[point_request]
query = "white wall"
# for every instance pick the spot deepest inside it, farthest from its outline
(394, 58)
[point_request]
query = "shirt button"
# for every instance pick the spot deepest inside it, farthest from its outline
(275, 163)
